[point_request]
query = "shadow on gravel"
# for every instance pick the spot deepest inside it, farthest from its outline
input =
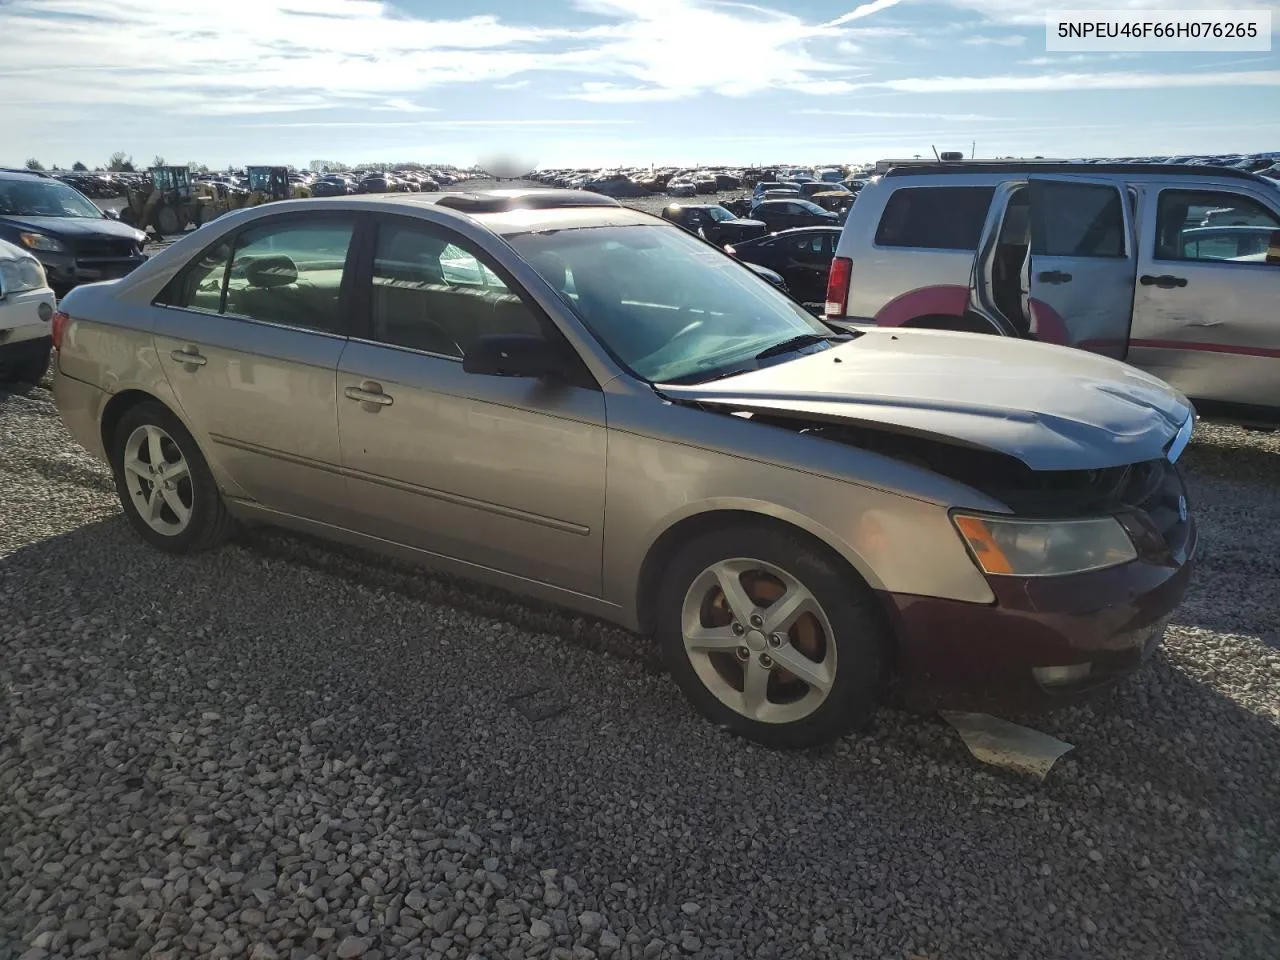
(1170, 781)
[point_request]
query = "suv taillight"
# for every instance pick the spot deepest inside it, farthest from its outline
(58, 327)
(838, 287)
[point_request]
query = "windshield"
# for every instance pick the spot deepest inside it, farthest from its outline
(810, 206)
(44, 198)
(720, 214)
(667, 305)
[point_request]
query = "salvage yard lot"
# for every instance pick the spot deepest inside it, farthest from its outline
(282, 749)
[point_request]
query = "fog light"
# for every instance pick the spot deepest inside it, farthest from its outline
(45, 311)
(1061, 676)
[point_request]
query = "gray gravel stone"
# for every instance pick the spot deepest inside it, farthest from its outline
(284, 747)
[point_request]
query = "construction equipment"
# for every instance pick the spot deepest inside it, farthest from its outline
(267, 184)
(169, 202)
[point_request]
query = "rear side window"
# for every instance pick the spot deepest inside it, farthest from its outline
(936, 218)
(1076, 220)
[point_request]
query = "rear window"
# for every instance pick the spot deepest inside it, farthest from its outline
(938, 218)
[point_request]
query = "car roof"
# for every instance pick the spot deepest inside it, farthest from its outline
(962, 167)
(504, 212)
(6, 174)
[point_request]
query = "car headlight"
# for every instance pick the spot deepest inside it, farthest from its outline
(1044, 548)
(21, 275)
(38, 241)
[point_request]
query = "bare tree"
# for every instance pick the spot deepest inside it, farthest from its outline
(120, 163)
(158, 161)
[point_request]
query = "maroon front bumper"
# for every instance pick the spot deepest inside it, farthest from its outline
(959, 655)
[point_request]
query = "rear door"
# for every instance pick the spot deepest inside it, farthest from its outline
(807, 263)
(249, 336)
(1080, 275)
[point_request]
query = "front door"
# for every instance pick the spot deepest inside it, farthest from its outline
(249, 337)
(1205, 317)
(505, 473)
(1078, 281)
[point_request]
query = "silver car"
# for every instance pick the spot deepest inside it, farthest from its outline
(586, 404)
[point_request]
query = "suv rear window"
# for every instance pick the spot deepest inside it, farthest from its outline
(938, 218)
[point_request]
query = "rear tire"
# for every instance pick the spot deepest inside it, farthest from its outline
(151, 449)
(835, 646)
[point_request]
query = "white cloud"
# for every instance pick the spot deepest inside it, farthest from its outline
(875, 6)
(889, 115)
(1012, 40)
(1032, 12)
(273, 56)
(512, 85)
(1077, 81)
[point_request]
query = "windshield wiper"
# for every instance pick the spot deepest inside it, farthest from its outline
(795, 343)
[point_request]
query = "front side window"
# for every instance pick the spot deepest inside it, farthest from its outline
(1212, 225)
(290, 272)
(433, 292)
(936, 218)
(669, 307)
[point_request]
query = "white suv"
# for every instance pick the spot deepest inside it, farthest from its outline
(26, 307)
(1174, 269)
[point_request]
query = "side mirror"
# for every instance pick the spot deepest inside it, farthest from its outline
(113, 214)
(1273, 248)
(514, 355)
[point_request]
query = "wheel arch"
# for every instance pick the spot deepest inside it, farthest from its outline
(120, 404)
(968, 323)
(684, 529)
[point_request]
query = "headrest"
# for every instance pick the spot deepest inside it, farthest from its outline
(553, 269)
(277, 271)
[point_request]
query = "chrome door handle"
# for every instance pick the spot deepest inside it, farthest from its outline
(368, 395)
(189, 357)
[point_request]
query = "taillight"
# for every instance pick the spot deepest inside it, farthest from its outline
(838, 287)
(58, 328)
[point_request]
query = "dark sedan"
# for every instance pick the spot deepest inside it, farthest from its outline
(783, 214)
(65, 231)
(802, 257)
(713, 222)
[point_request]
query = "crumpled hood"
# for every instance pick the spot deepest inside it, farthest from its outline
(1053, 408)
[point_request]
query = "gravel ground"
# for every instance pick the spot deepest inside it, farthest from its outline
(286, 750)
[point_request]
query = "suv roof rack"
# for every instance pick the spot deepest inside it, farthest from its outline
(501, 201)
(1052, 166)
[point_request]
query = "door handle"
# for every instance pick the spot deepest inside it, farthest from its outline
(1053, 276)
(1164, 282)
(189, 357)
(368, 393)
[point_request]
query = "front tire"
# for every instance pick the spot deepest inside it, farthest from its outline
(167, 221)
(164, 483)
(771, 637)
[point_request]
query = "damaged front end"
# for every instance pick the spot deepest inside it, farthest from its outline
(1147, 498)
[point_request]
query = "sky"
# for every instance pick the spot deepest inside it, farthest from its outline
(604, 82)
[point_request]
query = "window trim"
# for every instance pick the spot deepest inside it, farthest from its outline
(233, 238)
(362, 308)
(876, 244)
(1234, 264)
